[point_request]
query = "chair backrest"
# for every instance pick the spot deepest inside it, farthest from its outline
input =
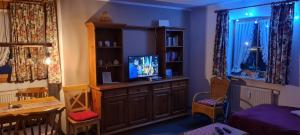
(219, 87)
(29, 93)
(8, 125)
(41, 123)
(38, 123)
(76, 98)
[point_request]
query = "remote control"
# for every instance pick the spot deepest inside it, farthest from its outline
(227, 130)
(219, 130)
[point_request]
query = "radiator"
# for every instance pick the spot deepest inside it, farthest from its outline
(243, 97)
(8, 96)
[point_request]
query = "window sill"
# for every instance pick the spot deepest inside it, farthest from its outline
(3, 78)
(248, 78)
(255, 83)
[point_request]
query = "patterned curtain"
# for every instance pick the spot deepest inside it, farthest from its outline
(221, 41)
(4, 37)
(281, 31)
(54, 70)
(28, 25)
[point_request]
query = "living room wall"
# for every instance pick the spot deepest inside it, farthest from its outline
(74, 15)
(289, 95)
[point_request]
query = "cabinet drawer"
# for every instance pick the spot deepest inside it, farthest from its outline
(179, 84)
(161, 86)
(114, 93)
(140, 89)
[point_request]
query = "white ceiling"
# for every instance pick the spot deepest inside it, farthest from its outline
(172, 3)
(196, 2)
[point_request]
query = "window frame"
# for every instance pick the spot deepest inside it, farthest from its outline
(231, 74)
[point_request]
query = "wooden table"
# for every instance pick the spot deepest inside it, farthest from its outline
(30, 106)
(210, 130)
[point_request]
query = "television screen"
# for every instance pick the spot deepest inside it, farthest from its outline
(142, 66)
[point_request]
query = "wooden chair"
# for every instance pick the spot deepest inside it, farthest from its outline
(38, 123)
(78, 111)
(8, 125)
(29, 93)
(217, 96)
(41, 123)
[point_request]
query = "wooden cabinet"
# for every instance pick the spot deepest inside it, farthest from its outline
(161, 100)
(139, 105)
(114, 113)
(105, 43)
(126, 106)
(179, 99)
(170, 48)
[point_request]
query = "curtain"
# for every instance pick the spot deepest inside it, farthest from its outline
(4, 37)
(281, 32)
(221, 42)
(54, 70)
(27, 25)
(264, 38)
(242, 43)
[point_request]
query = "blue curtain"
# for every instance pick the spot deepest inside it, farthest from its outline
(242, 43)
(264, 26)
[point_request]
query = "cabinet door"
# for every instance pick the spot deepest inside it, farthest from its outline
(179, 99)
(161, 103)
(114, 113)
(139, 108)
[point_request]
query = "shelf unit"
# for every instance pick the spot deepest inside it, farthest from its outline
(170, 48)
(105, 46)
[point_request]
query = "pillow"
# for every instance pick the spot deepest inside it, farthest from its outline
(296, 112)
(84, 115)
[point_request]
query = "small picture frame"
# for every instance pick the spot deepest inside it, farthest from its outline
(106, 77)
(169, 73)
(107, 43)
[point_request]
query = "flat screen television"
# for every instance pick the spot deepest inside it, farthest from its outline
(142, 66)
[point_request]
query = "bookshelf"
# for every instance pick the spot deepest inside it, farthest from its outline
(105, 51)
(170, 48)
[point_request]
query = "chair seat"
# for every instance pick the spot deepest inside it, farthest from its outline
(209, 102)
(83, 115)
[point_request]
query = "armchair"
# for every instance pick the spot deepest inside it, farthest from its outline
(217, 96)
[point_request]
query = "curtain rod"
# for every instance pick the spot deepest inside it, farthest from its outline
(279, 2)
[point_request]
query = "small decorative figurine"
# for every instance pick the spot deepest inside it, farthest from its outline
(116, 62)
(105, 18)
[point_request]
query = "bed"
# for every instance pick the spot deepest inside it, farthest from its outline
(267, 120)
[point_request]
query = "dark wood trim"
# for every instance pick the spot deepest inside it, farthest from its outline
(132, 27)
(133, 84)
(9, 44)
(108, 25)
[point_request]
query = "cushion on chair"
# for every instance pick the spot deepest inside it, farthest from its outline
(83, 115)
(209, 102)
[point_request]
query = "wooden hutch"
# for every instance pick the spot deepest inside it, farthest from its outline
(127, 105)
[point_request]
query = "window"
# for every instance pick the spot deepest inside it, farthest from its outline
(250, 47)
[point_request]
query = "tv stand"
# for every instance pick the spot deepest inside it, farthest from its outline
(128, 105)
(154, 78)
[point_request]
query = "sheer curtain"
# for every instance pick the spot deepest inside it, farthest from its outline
(242, 43)
(4, 51)
(264, 26)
